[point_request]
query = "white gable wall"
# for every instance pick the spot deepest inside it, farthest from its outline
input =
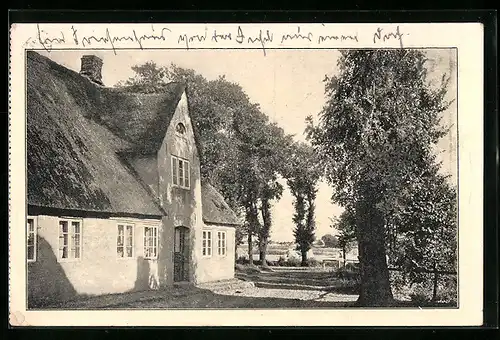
(183, 206)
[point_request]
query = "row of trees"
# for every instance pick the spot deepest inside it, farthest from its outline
(374, 144)
(242, 153)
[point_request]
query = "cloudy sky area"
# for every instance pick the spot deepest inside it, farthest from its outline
(288, 85)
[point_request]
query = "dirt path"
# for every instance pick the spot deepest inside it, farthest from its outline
(295, 294)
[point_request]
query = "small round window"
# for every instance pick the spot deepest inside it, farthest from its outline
(181, 129)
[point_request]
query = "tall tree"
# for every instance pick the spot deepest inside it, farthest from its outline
(380, 121)
(273, 159)
(302, 176)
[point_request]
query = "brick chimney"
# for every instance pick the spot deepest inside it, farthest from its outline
(91, 68)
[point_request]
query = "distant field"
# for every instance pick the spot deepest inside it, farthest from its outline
(276, 257)
(274, 251)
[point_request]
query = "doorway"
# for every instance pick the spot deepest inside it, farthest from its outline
(181, 254)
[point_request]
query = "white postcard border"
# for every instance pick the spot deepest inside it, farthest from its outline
(466, 37)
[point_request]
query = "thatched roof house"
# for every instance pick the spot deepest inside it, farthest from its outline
(115, 176)
(78, 135)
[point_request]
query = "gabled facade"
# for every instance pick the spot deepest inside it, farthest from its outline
(115, 198)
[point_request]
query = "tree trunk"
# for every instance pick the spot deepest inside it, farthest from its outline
(304, 258)
(375, 289)
(264, 230)
(250, 249)
(343, 256)
(262, 254)
(435, 284)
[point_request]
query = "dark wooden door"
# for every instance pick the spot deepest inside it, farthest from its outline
(181, 254)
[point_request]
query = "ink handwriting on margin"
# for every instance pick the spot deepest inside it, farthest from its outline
(222, 36)
(262, 38)
(379, 36)
(48, 42)
(187, 39)
(323, 38)
(108, 38)
(297, 36)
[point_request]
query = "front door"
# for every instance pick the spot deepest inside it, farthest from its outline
(181, 254)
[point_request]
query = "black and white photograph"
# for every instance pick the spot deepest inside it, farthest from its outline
(232, 179)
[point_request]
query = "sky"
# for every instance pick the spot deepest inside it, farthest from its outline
(288, 85)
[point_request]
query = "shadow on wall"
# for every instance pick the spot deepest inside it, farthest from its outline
(145, 279)
(193, 261)
(48, 284)
(47, 281)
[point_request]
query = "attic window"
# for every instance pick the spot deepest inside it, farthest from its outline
(180, 129)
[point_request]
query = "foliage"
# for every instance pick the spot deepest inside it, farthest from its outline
(424, 230)
(346, 226)
(375, 138)
(330, 241)
(241, 152)
(380, 120)
(295, 262)
(148, 78)
(347, 272)
(303, 174)
(423, 291)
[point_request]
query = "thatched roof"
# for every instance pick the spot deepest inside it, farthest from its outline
(215, 208)
(75, 131)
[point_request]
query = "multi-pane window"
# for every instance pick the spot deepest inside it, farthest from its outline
(125, 241)
(31, 240)
(221, 243)
(150, 242)
(180, 172)
(70, 246)
(207, 243)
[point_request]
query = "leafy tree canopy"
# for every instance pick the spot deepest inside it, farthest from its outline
(376, 138)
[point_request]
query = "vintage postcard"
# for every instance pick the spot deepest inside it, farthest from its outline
(246, 174)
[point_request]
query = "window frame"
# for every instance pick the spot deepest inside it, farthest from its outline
(124, 245)
(35, 238)
(221, 243)
(155, 242)
(180, 133)
(204, 243)
(70, 239)
(176, 172)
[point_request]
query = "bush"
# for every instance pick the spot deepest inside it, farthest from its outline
(239, 267)
(313, 263)
(290, 262)
(294, 262)
(421, 292)
(242, 260)
(353, 267)
(281, 261)
(347, 273)
(334, 263)
(420, 298)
